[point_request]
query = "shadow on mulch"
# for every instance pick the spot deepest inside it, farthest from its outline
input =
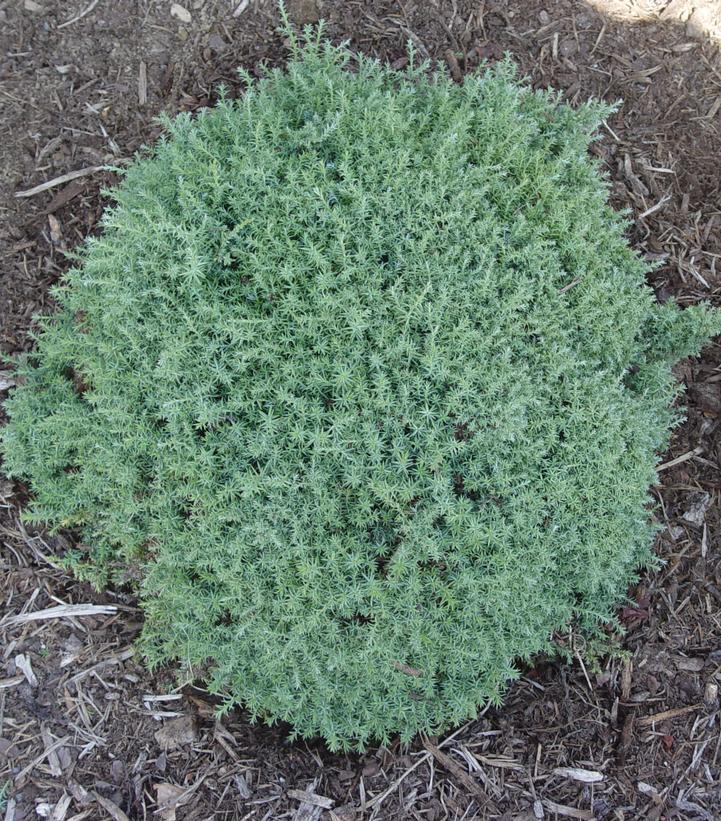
(85, 731)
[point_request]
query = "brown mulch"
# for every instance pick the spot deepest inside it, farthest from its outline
(85, 731)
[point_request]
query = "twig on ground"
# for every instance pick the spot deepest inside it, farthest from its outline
(379, 799)
(79, 16)
(118, 658)
(62, 611)
(45, 754)
(656, 207)
(679, 459)
(469, 783)
(647, 721)
(63, 178)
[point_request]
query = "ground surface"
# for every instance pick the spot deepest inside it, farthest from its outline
(85, 732)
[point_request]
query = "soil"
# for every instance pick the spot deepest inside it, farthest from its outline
(85, 731)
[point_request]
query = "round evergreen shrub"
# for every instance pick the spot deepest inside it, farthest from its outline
(364, 384)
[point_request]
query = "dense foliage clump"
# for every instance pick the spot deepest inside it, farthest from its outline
(364, 383)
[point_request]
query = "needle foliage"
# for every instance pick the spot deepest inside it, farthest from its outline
(364, 383)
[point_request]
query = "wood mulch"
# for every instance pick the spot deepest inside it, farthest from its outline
(85, 731)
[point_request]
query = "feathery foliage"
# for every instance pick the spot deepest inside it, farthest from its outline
(365, 383)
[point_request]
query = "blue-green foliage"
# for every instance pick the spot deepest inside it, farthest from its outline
(364, 380)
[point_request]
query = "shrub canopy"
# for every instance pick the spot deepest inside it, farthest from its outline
(364, 383)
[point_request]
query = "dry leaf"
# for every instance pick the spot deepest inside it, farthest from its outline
(168, 796)
(176, 10)
(696, 513)
(177, 732)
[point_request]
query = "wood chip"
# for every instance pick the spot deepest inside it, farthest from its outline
(53, 760)
(453, 66)
(577, 774)
(568, 812)
(502, 763)
(682, 48)
(142, 83)
(6, 683)
(241, 7)
(626, 676)
(715, 106)
(241, 784)
(691, 665)
(56, 230)
(647, 789)
(312, 798)
(307, 812)
(111, 808)
(61, 808)
(63, 197)
(80, 794)
(7, 380)
(637, 186)
(626, 738)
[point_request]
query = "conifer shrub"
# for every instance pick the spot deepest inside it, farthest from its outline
(365, 385)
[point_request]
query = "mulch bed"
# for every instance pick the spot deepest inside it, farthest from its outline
(85, 731)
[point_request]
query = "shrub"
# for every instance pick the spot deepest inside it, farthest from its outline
(364, 382)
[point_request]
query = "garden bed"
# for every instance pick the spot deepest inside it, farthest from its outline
(84, 729)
